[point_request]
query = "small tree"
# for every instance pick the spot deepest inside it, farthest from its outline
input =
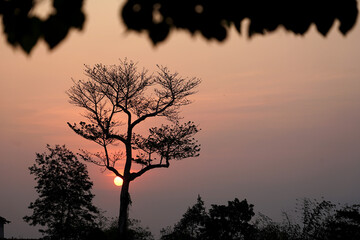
(231, 221)
(64, 205)
(116, 100)
(191, 226)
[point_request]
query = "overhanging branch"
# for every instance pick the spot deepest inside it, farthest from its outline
(133, 176)
(115, 171)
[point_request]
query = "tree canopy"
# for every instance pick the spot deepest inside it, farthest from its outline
(157, 18)
(64, 206)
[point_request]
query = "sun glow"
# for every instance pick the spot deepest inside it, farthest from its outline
(118, 181)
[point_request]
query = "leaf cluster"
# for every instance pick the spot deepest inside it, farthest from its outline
(24, 29)
(214, 19)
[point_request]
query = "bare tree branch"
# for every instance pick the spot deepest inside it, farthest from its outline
(133, 176)
(103, 160)
(171, 96)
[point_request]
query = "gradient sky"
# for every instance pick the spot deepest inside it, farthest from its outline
(279, 115)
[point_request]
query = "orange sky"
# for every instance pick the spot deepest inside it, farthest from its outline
(279, 116)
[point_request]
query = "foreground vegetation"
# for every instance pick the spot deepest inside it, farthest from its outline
(313, 220)
(65, 210)
(316, 220)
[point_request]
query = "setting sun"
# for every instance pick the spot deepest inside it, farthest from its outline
(118, 181)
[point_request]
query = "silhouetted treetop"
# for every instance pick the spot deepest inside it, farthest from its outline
(158, 18)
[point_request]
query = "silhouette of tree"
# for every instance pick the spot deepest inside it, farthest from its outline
(118, 98)
(220, 223)
(231, 221)
(64, 205)
(158, 18)
(314, 217)
(318, 220)
(191, 226)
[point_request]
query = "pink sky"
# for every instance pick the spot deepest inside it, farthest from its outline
(279, 116)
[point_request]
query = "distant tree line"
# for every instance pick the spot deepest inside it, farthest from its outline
(317, 220)
(65, 211)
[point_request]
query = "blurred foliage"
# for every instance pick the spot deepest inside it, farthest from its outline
(213, 19)
(157, 18)
(24, 29)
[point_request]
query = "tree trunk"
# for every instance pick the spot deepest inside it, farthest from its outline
(124, 207)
